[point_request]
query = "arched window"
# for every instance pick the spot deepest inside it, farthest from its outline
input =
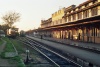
(94, 11)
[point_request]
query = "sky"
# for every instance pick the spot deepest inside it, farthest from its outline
(33, 11)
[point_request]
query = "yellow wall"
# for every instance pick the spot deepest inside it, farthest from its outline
(90, 3)
(98, 10)
(98, 0)
(83, 7)
(58, 15)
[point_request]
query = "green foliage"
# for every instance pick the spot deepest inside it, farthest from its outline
(2, 55)
(9, 46)
(18, 45)
(17, 58)
(1, 42)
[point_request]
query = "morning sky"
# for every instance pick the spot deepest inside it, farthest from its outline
(32, 11)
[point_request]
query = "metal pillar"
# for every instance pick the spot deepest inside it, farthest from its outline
(27, 57)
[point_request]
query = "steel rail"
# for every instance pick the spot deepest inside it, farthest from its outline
(42, 53)
(37, 44)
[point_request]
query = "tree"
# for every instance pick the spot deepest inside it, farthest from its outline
(10, 18)
(4, 27)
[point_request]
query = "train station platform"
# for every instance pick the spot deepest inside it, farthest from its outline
(76, 43)
(85, 55)
(87, 45)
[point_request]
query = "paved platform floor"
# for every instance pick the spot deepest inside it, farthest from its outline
(94, 46)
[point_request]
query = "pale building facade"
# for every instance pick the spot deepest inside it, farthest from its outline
(75, 22)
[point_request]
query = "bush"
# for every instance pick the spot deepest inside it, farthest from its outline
(2, 55)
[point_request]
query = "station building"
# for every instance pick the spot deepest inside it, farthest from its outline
(81, 23)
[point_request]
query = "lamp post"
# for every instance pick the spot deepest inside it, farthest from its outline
(27, 57)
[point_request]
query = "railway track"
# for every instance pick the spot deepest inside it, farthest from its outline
(54, 58)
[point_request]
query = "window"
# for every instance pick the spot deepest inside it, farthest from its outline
(95, 1)
(69, 18)
(79, 15)
(69, 11)
(79, 8)
(94, 11)
(66, 19)
(86, 5)
(74, 17)
(86, 14)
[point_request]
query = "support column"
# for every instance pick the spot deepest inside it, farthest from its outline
(94, 33)
(63, 34)
(72, 34)
(87, 34)
(68, 34)
(83, 34)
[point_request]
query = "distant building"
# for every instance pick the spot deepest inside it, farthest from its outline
(46, 23)
(80, 23)
(12, 31)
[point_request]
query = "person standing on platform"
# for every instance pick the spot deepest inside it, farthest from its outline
(41, 36)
